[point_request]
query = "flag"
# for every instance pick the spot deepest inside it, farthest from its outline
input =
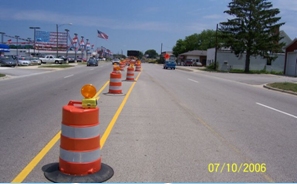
(74, 40)
(102, 35)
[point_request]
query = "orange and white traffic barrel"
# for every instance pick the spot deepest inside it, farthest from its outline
(137, 67)
(80, 141)
(130, 74)
(115, 83)
(80, 159)
(122, 65)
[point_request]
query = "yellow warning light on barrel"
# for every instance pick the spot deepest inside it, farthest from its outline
(88, 91)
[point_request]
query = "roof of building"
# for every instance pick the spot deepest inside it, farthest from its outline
(195, 53)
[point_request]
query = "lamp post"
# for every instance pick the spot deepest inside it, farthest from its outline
(2, 37)
(29, 40)
(17, 46)
(57, 30)
(87, 41)
(75, 36)
(67, 31)
(82, 50)
(34, 36)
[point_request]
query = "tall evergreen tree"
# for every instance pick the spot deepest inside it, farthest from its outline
(254, 30)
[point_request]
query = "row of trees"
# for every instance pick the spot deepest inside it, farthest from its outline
(253, 31)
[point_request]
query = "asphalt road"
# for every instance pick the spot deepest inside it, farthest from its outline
(169, 126)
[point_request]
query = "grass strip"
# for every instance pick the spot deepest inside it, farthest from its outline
(288, 86)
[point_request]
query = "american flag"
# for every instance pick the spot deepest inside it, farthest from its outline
(74, 40)
(102, 35)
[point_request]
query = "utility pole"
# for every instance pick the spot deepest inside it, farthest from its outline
(215, 64)
(161, 51)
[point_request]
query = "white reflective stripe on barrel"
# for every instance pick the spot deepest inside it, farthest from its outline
(115, 80)
(80, 132)
(115, 87)
(80, 157)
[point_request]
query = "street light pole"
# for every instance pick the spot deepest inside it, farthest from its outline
(67, 31)
(34, 36)
(17, 46)
(82, 50)
(57, 30)
(75, 36)
(29, 40)
(87, 41)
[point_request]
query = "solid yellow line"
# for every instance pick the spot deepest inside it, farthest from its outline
(28, 169)
(116, 115)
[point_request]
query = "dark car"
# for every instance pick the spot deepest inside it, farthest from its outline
(71, 59)
(8, 61)
(92, 62)
(65, 59)
(189, 62)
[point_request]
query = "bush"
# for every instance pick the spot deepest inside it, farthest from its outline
(211, 66)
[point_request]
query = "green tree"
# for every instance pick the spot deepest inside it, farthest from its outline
(140, 55)
(180, 47)
(202, 41)
(253, 31)
(207, 39)
(151, 53)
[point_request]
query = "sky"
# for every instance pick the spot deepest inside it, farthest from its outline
(130, 24)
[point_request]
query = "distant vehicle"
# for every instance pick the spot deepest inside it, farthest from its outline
(115, 61)
(51, 59)
(79, 59)
(92, 62)
(24, 61)
(65, 59)
(35, 61)
(8, 61)
(189, 62)
(169, 64)
(71, 59)
(197, 63)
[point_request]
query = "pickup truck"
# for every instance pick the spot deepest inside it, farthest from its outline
(51, 59)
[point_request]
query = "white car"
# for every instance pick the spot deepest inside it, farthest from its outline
(24, 61)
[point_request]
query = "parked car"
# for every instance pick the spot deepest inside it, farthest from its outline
(35, 61)
(8, 61)
(65, 60)
(189, 62)
(169, 64)
(71, 59)
(79, 59)
(92, 62)
(24, 61)
(197, 63)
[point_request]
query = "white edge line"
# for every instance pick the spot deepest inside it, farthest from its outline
(193, 80)
(276, 110)
(68, 76)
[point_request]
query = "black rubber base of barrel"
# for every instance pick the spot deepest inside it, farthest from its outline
(52, 173)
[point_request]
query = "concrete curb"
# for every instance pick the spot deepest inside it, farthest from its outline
(280, 90)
